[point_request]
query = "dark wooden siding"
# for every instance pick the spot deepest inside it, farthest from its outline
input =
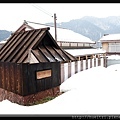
(11, 77)
(21, 78)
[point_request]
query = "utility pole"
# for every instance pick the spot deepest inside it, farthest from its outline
(55, 26)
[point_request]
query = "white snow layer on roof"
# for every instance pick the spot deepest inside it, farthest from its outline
(111, 37)
(64, 34)
(69, 36)
(77, 52)
(2, 42)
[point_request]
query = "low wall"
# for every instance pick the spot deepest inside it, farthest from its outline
(70, 68)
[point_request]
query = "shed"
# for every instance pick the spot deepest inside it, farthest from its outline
(111, 43)
(30, 66)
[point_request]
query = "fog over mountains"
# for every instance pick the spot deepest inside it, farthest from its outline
(89, 26)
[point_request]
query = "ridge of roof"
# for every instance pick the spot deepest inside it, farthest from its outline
(25, 25)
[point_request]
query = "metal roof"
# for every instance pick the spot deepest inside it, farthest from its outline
(33, 46)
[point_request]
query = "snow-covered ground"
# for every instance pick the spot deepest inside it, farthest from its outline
(92, 91)
(114, 57)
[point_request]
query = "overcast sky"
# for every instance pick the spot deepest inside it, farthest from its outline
(12, 15)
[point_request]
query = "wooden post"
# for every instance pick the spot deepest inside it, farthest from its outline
(94, 61)
(86, 62)
(55, 26)
(105, 60)
(81, 64)
(99, 60)
(91, 61)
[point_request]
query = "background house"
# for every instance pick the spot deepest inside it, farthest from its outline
(111, 43)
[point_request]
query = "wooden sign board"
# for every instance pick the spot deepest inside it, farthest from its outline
(43, 74)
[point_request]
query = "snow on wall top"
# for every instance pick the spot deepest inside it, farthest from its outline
(77, 52)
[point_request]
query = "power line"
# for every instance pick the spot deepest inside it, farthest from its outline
(41, 9)
(55, 18)
(40, 24)
(44, 24)
(51, 16)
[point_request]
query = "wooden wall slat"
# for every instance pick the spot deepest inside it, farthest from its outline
(69, 69)
(19, 82)
(1, 74)
(16, 79)
(56, 77)
(7, 76)
(91, 63)
(87, 64)
(76, 66)
(62, 73)
(32, 78)
(2, 77)
(25, 89)
(81, 65)
(12, 78)
(94, 62)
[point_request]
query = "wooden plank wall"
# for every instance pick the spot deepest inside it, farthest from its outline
(11, 77)
(22, 78)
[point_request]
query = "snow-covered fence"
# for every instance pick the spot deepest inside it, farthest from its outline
(71, 68)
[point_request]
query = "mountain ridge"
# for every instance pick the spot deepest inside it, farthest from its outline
(93, 27)
(88, 26)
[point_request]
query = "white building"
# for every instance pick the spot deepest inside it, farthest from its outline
(111, 43)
